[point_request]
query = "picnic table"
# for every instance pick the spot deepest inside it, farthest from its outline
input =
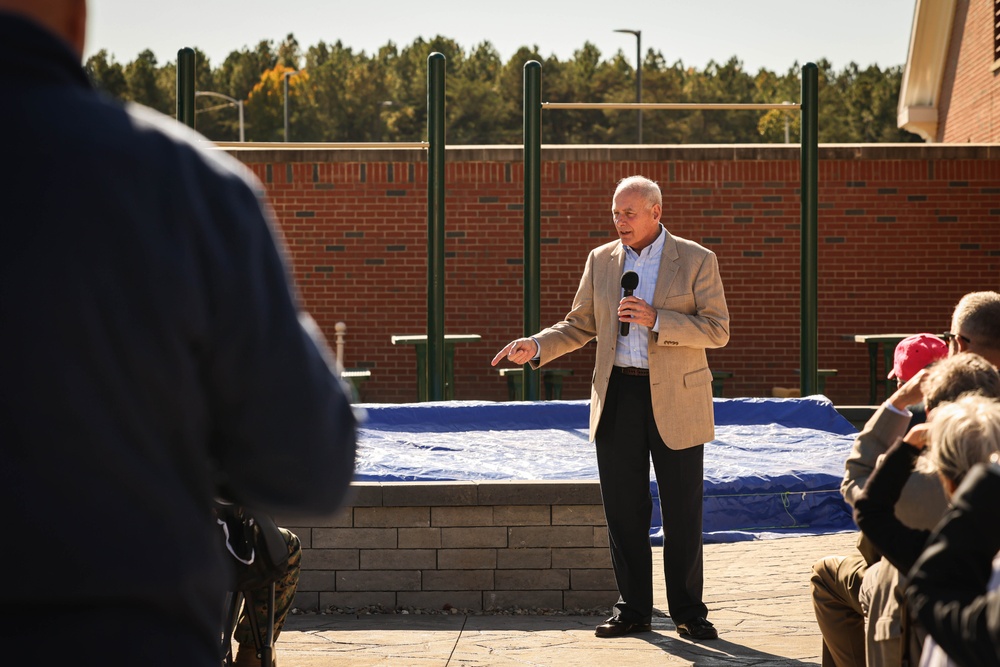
(419, 342)
(888, 342)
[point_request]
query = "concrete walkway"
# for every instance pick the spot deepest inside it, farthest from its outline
(757, 594)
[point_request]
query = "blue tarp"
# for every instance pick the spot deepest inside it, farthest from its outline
(774, 467)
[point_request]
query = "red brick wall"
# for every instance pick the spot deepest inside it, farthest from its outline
(970, 90)
(904, 231)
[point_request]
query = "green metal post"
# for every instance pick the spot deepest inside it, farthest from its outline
(532, 214)
(435, 227)
(810, 214)
(185, 86)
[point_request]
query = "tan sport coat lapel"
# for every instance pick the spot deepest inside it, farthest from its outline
(667, 271)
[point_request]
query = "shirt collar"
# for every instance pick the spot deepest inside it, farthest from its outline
(656, 247)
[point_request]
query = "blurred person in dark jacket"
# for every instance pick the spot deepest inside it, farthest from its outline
(954, 587)
(152, 358)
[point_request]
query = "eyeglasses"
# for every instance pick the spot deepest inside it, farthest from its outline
(951, 337)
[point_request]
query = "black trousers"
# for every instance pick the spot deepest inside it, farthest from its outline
(626, 439)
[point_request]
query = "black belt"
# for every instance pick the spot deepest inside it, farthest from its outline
(630, 370)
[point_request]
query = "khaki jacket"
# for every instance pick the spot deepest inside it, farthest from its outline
(921, 505)
(693, 317)
(922, 502)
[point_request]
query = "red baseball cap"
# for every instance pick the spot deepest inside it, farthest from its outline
(916, 353)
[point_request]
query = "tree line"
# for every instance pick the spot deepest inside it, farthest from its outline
(338, 95)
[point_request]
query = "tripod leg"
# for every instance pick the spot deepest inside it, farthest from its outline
(254, 625)
(267, 650)
(234, 601)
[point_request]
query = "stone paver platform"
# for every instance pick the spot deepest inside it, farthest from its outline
(757, 593)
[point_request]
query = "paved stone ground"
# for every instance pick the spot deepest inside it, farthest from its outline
(757, 594)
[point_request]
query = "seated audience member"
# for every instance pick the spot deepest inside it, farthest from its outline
(954, 587)
(887, 642)
(961, 434)
(836, 581)
(912, 355)
(284, 594)
(261, 553)
(853, 599)
(975, 326)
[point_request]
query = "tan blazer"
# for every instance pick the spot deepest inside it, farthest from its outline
(693, 317)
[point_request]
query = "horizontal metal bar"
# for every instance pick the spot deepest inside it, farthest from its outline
(202, 93)
(319, 144)
(227, 105)
(679, 106)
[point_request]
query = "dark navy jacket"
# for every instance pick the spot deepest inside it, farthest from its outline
(151, 356)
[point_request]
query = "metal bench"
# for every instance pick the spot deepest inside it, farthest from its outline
(355, 376)
(718, 378)
(552, 379)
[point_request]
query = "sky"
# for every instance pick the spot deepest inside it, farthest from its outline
(771, 34)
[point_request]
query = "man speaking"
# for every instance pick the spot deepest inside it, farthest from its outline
(651, 397)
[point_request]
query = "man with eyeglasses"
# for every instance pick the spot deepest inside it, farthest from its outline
(975, 326)
(846, 589)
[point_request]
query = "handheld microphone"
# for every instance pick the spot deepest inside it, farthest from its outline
(630, 280)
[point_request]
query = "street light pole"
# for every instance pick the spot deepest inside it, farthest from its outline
(638, 77)
(238, 103)
(285, 77)
(383, 105)
(785, 114)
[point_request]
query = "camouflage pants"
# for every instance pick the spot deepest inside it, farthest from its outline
(284, 593)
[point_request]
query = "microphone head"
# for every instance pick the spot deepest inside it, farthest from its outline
(630, 280)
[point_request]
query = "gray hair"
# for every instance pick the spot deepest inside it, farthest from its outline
(958, 374)
(963, 433)
(649, 190)
(977, 315)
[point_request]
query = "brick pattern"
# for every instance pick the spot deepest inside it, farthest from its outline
(438, 545)
(904, 231)
(969, 109)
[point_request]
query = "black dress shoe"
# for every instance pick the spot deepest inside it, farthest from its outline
(614, 627)
(698, 628)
